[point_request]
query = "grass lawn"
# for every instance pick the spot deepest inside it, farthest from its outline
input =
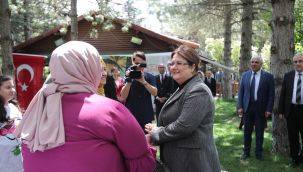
(229, 141)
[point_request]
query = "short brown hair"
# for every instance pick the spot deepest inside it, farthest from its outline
(189, 54)
(139, 54)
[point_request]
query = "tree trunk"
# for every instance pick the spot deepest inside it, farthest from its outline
(282, 51)
(27, 20)
(227, 92)
(74, 20)
(246, 35)
(6, 39)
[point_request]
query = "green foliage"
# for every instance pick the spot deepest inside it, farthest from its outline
(229, 142)
(202, 21)
(178, 17)
(299, 24)
(214, 50)
(299, 47)
(265, 54)
(261, 30)
(42, 15)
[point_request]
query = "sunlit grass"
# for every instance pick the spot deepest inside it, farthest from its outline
(229, 141)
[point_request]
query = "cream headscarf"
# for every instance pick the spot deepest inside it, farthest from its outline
(74, 67)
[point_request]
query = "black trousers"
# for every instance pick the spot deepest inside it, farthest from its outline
(295, 128)
(254, 118)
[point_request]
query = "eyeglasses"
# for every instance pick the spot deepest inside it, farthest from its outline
(298, 61)
(178, 63)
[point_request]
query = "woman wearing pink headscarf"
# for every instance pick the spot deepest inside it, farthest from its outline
(68, 127)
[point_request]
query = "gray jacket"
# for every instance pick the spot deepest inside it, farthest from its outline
(185, 131)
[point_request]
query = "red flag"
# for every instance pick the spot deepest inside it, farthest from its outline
(28, 76)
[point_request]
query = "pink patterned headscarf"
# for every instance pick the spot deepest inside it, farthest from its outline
(75, 67)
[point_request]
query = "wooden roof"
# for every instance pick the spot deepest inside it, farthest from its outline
(108, 42)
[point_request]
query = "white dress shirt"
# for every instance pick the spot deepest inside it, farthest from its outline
(257, 81)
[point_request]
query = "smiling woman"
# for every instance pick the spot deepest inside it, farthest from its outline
(10, 159)
(185, 123)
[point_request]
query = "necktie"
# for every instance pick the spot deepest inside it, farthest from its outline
(161, 78)
(252, 87)
(298, 92)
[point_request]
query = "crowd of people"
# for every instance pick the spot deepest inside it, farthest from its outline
(87, 119)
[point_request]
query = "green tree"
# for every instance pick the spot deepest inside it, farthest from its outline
(299, 25)
(5, 39)
(31, 18)
(214, 49)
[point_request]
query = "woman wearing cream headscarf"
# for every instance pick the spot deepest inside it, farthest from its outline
(68, 127)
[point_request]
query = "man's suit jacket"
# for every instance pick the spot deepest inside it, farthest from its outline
(265, 93)
(185, 130)
(110, 87)
(211, 85)
(165, 89)
(286, 93)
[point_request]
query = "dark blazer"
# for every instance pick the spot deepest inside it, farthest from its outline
(286, 93)
(185, 132)
(211, 85)
(265, 94)
(110, 88)
(165, 89)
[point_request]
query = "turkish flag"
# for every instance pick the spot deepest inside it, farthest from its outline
(28, 76)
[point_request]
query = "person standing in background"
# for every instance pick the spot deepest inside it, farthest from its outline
(101, 90)
(291, 108)
(110, 89)
(255, 104)
(219, 75)
(136, 92)
(118, 81)
(210, 82)
(164, 86)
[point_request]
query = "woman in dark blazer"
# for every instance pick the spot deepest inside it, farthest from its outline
(185, 129)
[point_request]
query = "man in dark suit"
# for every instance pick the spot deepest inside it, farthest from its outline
(110, 87)
(255, 104)
(210, 82)
(291, 107)
(165, 88)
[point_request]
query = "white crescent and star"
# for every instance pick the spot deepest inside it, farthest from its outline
(31, 71)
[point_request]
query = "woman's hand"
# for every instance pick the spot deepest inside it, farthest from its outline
(150, 127)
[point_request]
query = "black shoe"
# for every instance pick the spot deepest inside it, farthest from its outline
(293, 163)
(244, 157)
